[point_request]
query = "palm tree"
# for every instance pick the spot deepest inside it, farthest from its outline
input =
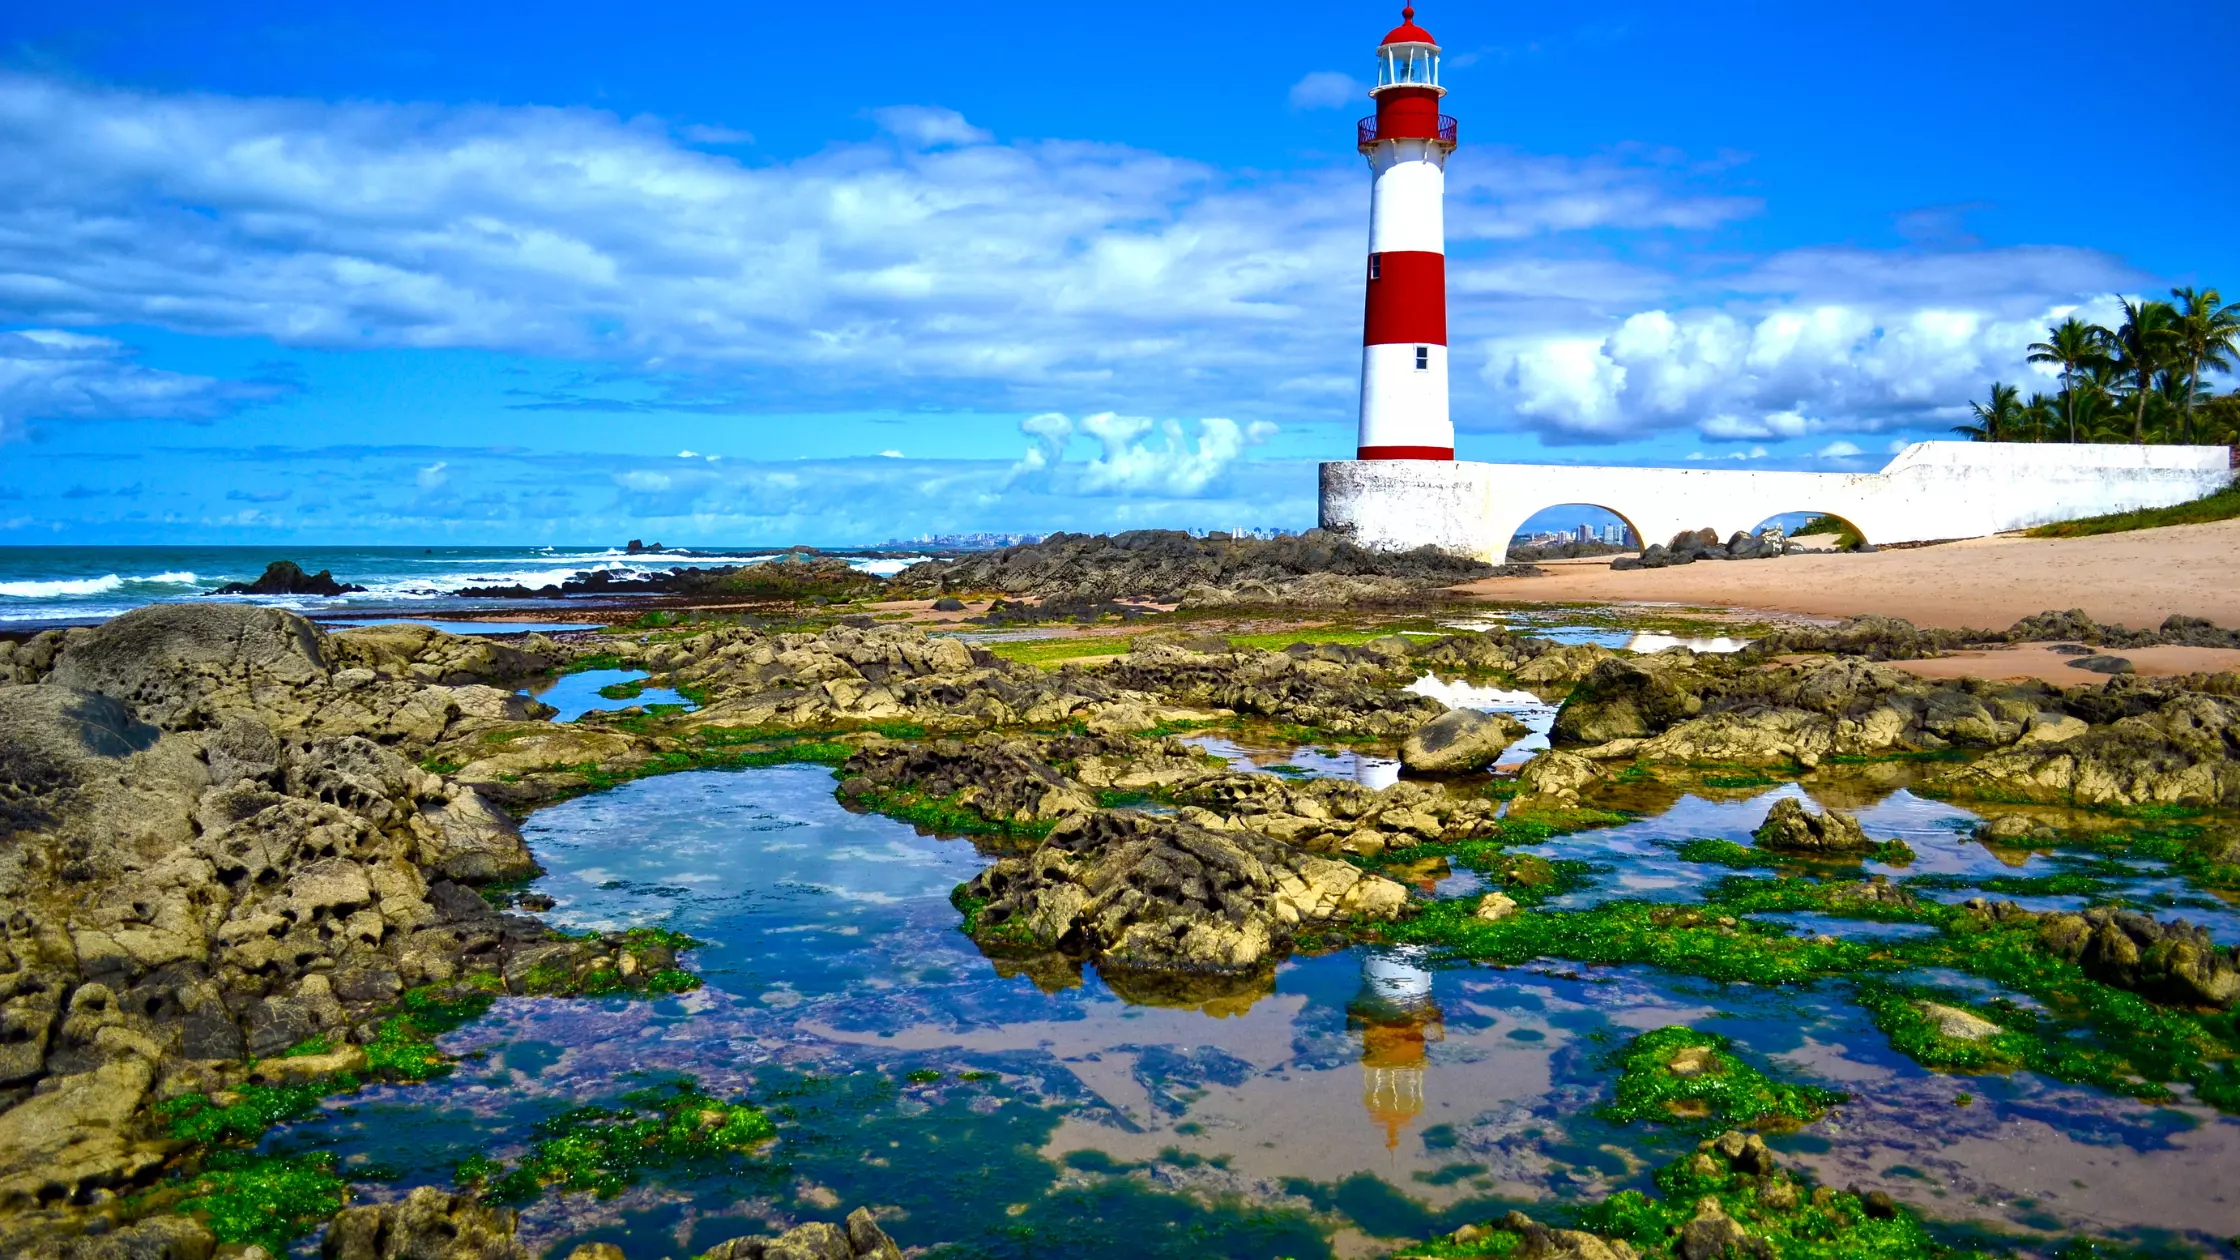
(2072, 343)
(2205, 337)
(2042, 415)
(2143, 348)
(1995, 421)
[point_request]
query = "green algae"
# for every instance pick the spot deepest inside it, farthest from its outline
(1528, 878)
(1684, 939)
(1827, 1224)
(606, 1150)
(1688, 1079)
(402, 1047)
(1745, 857)
(266, 1200)
(247, 1112)
(942, 815)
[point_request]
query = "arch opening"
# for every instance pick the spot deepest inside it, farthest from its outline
(1567, 531)
(1814, 530)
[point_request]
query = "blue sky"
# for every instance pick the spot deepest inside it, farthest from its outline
(756, 273)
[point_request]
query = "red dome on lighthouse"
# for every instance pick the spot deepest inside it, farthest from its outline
(1408, 32)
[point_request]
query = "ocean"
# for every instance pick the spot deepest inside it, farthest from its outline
(42, 587)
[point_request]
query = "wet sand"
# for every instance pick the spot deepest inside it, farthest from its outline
(2133, 579)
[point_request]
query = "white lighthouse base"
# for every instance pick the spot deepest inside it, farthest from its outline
(1929, 491)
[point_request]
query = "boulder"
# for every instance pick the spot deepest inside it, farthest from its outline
(1553, 774)
(427, 1224)
(189, 666)
(1460, 741)
(859, 1239)
(1958, 1024)
(1790, 827)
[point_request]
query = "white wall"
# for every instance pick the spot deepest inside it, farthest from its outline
(1931, 490)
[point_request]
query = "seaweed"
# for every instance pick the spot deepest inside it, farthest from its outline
(266, 1200)
(1688, 1079)
(605, 1150)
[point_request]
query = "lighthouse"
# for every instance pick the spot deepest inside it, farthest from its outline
(1404, 319)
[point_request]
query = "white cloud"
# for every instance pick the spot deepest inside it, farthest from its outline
(433, 476)
(936, 263)
(688, 453)
(48, 374)
(1328, 89)
(890, 454)
(1838, 449)
(1174, 465)
(931, 259)
(1789, 371)
(928, 127)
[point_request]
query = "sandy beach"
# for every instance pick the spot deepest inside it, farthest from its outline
(2133, 579)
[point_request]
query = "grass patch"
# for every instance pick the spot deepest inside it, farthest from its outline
(606, 1150)
(2221, 506)
(595, 660)
(629, 690)
(1678, 1076)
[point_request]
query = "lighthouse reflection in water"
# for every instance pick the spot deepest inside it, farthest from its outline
(1398, 1020)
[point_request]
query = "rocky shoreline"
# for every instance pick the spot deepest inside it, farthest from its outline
(239, 854)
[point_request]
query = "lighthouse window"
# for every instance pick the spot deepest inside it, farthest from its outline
(1376, 266)
(1423, 358)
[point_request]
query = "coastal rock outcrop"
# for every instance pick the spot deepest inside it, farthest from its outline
(1158, 564)
(1353, 690)
(214, 846)
(2185, 750)
(1790, 827)
(1139, 892)
(286, 577)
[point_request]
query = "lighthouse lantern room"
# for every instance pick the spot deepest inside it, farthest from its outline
(1404, 320)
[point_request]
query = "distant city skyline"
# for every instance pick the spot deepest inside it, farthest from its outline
(417, 274)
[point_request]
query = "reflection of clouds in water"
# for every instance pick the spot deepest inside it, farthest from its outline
(1631, 640)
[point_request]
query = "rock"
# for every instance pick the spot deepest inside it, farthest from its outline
(285, 577)
(2171, 961)
(1712, 1234)
(1539, 1242)
(1791, 828)
(165, 1237)
(2052, 728)
(1958, 1024)
(1495, 906)
(2164, 745)
(1569, 663)
(860, 1239)
(948, 603)
(184, 666)
(426, 1224)
(1161, 565)
(1460, 741)
(2100, 664)
(1557, 776)
(597, 1251)
(1150, 893)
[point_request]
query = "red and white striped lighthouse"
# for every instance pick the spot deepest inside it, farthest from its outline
(1404, 323)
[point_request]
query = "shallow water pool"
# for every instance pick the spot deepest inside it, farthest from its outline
(1368, 1096)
